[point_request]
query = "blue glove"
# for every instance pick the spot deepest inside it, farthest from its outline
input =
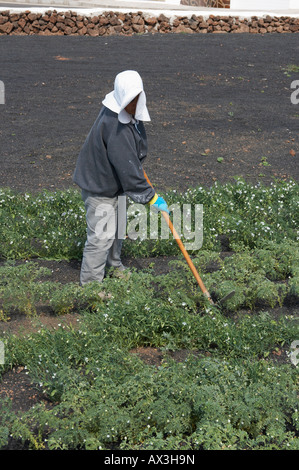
(160, 204)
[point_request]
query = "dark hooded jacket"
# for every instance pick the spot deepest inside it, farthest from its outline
(110, 161)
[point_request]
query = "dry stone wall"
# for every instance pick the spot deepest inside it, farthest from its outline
(111, 23)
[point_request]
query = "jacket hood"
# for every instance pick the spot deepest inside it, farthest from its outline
(127, 86)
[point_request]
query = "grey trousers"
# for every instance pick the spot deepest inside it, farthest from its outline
(103, 244)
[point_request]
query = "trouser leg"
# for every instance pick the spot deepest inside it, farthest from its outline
(102, 245)
(114, 254)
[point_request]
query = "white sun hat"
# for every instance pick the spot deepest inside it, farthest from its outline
(127, 86)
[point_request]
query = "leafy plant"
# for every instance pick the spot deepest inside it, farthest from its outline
(52, 225)
(291, 68)
(229, 392)
(22, 287)
(110, 398)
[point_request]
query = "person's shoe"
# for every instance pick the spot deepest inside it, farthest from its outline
(121, 272)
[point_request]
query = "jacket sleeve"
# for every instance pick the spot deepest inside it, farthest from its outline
(123, 154)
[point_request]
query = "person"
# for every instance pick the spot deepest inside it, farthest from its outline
(109, 165)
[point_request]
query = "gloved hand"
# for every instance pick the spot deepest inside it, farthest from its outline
(159, 204)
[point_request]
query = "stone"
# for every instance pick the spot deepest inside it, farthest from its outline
(183, 29)
(93, 32)
(22, 23)
(193, 24)
(60, 26)
(118, 28)
(31, 17)
(69, 22)
(114, 21)
(4, 19)
(102, 30)
(6, 28)
(103, 20)
(138, 28)
(151, 21)
(46, 32)
(53, 19)
(82, 31)
(162, 18)
(243, 28)
(68, 30)
(14, 17)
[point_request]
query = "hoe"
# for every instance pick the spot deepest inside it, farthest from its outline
(188, 259)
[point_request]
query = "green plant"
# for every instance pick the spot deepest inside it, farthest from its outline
(48, 225)
(229, 392)
(103, 396)
(264, 162)
(52, 225)
(291, 68)
(22, 287)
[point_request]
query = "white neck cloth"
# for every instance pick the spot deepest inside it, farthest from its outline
(127, 86)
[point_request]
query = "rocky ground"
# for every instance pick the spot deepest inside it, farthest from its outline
(210, 97)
